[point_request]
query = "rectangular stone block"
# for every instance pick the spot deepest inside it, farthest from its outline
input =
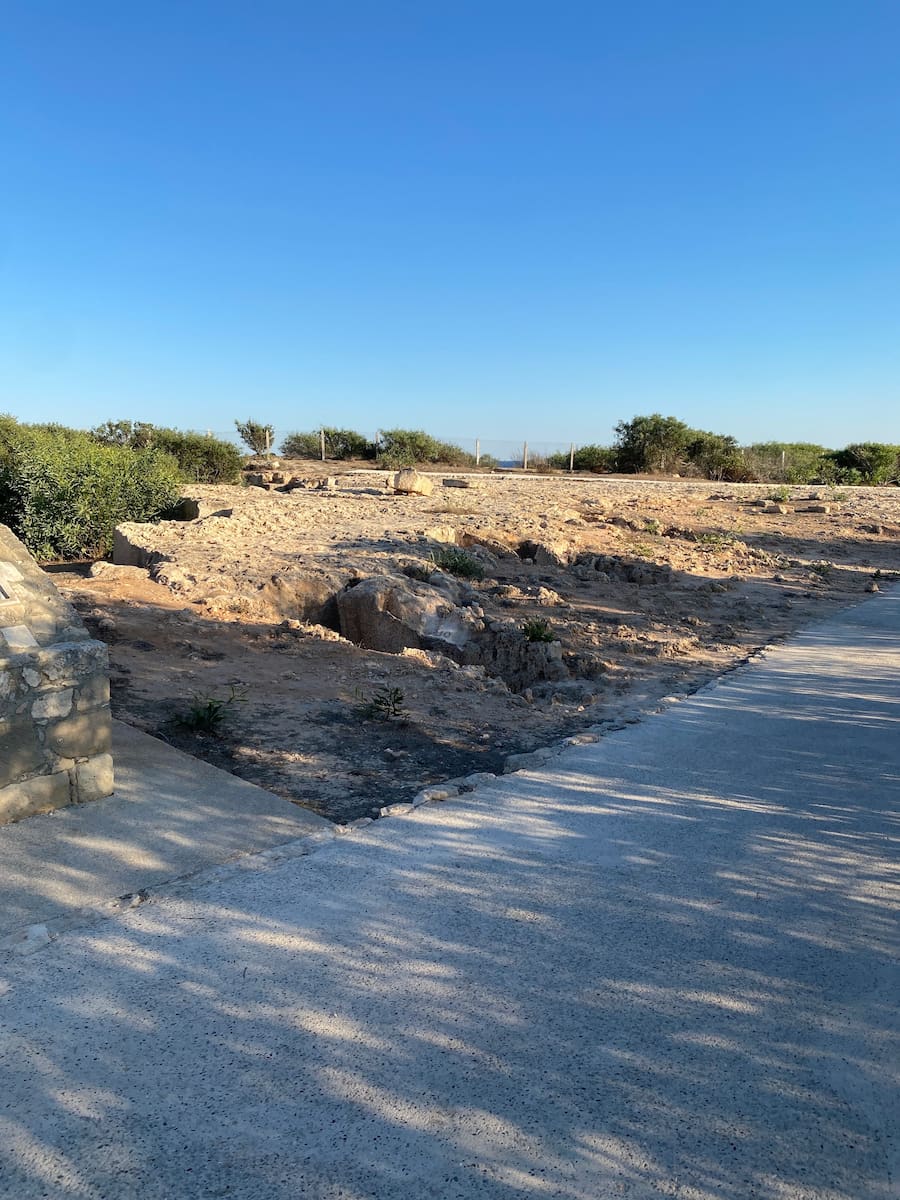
(93, 692)
(94, 778)
(21, 750)
(81, 735)
(66, 663)
(18, 638)
(41, 794)
(50, 705)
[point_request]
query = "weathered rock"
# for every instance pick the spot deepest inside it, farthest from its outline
(412, 483)
(546, 554)
(388, 614)
(504, 651)
(444, 534)
(94, 777)
(457, 483)
(108, 570)
(189, 508)
(133, 545)
(303, 594)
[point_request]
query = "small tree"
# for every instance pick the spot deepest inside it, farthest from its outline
(654, 443)
(255, 435)
(137, 434)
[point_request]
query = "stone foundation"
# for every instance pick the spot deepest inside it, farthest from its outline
(55, 726)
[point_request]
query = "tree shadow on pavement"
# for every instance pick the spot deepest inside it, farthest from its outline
(652, 974)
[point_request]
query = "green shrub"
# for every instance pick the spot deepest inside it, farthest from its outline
(786, 462)
(137, 434)
(385, 704)
(873, 463)
(206, 713)
(538, 630)
(406, 447)
(63, 493)
(340, 445)
(201, 459)
(458, 562)
(599, 459)
(714, 455)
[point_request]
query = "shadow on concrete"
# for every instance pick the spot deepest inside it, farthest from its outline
(171, 815)
(670, 969)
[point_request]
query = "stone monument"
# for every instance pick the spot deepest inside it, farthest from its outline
(55, 728)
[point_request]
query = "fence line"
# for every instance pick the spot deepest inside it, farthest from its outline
(506, 451)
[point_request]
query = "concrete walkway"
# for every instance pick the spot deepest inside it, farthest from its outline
(663, 965)
(171, 815)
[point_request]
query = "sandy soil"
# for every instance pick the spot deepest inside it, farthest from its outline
(652, 587)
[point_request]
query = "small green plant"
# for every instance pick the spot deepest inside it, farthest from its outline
(385, 704)
(779, 495)
(206, 713)
(458, 562)
(716, 540)
(652, 526)
(538, 629)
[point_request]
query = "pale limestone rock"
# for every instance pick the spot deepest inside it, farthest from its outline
(413, 483)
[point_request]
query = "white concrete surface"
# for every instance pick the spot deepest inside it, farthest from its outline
(171, 815)
(665, 965)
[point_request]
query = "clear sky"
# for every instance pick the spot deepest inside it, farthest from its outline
(488, 218)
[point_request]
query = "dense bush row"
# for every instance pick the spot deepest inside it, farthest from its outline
(340, 445)
(200, 459)
(63, 492)
(654, 443)
(644, 445)
(394, 448)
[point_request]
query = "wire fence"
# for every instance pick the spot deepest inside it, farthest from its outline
(505, 452)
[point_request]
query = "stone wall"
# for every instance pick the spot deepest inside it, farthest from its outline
(55, 729)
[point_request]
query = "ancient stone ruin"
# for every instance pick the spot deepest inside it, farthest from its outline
(55, 730)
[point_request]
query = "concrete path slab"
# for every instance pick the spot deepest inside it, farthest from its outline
(171, 815)
(662, 966)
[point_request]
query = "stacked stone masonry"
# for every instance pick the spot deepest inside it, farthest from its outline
(55, 728)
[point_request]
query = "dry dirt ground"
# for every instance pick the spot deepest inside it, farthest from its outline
(651, 587)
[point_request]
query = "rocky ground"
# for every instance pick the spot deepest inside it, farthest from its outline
(644, 588)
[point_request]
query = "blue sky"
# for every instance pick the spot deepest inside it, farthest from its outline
(491, 219)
